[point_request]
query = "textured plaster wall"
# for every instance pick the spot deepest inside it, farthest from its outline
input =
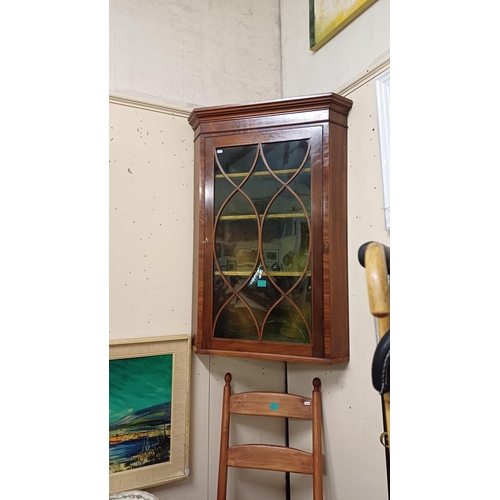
(195, 52)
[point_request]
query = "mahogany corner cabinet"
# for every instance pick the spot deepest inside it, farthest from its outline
(270, 266)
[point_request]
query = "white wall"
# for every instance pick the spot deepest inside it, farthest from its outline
(352, 418)
(192, 52)
(150, 220)
(354, 457)
(151, 254)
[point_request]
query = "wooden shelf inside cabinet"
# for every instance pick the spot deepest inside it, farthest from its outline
(257, 174)
(270, 267)
(268, 216)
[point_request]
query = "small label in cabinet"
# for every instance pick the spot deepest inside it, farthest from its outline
(262, 283)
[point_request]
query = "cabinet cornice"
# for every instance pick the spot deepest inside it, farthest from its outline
(320, 102)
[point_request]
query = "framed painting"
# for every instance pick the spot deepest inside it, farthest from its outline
(328, 17)
(245, 258)
(148, 411)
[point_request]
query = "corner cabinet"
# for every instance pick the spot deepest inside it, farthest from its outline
(270, 266)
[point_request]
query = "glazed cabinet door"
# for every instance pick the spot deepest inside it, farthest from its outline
(262, 274)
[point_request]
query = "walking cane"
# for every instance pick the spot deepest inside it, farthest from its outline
(375, 258)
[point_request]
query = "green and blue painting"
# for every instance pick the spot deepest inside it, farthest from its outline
(140, 396)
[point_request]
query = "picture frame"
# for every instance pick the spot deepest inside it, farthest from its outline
(271, 257)
(328, 17)
(149, 382)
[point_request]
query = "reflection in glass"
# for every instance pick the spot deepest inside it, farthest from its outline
(236, 161)
(262, 210)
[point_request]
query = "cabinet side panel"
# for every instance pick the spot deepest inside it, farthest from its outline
(327, 332)
(318, 348)
(339, 306)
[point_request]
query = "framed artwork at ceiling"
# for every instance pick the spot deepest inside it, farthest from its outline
(328, 17)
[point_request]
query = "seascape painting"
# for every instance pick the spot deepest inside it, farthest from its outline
(140, 397)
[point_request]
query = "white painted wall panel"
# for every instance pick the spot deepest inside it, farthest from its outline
(352, 415)
(151, 222)
(195, 53)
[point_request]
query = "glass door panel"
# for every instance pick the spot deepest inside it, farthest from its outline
(262, 226)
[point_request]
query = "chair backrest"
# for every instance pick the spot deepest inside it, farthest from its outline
(268, 456)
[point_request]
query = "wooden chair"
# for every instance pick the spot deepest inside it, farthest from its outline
(266, 456)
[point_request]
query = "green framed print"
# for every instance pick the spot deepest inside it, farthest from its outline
(328, 17)
(148, 411)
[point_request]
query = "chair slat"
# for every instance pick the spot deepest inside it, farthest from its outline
(270, 405)
(270, 457)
